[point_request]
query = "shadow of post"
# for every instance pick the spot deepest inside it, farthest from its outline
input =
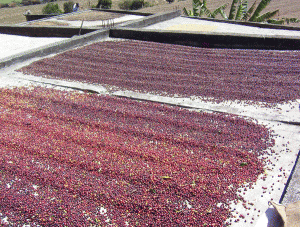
(274, 219)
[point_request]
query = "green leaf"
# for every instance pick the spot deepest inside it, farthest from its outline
(249, 12)
(244, 7)
(219, 11)
(291, 20)
(197, 3)
(152, 190)
(223, 14)
(266, 16)
(243, 164)
(205, 10)
(195, 12)
(273, 21)
(261, 6)
(239, 12)
(232, 9)
(186, 12)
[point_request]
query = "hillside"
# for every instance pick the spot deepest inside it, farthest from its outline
(288, 8)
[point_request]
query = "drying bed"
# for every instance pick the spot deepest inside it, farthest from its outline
(217, 74)
(76, 159)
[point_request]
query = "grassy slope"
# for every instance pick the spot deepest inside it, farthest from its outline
(288, 8)
(9, 1)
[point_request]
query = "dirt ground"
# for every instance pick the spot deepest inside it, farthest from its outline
(49, 23)
(288, 8)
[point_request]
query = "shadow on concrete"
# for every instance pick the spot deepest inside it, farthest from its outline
(274, 219)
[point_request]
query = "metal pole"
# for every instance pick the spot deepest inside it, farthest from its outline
(81, 27)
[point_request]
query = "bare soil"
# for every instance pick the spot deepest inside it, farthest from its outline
(287, 8)
(49, 23)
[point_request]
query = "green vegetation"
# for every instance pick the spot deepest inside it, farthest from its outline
(68, 7)
(104, 4)
(131, 4)
(253, 14)
(239, 11)
(51, 8)
(200, 9)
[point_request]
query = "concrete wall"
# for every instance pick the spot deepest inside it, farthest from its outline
(52, 31)
(153, 19)
(123, 12)
(214, 40)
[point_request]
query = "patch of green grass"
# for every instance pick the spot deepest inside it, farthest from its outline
(9, 1)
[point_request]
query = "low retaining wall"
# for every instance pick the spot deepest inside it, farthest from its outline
(123, 12)
(153, 19)
(31, 31)
(30, 17)
(213, 40)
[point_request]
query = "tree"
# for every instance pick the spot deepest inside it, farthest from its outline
(104, 4)
(51, 8)
(68, 7)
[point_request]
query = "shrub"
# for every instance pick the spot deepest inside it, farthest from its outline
(12, 4)
(131, 4)
(137, 4)
(51, 8)
(68, 7)
(30, 2)
(148, 4)
(126, 4)
(35, 2)
(4, 5)
(104, 4)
